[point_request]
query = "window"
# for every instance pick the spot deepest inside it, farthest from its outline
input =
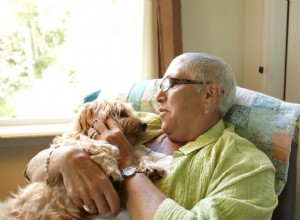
(54, 52)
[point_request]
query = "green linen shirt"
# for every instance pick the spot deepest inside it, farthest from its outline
(220, 175)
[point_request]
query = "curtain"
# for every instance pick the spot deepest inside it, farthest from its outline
(150, 41)
(162, 36)
(169, 32)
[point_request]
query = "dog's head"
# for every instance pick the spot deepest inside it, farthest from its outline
(122, 113)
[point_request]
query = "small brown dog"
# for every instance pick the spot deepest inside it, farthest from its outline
(44, 201)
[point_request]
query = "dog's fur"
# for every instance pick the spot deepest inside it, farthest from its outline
(42, 201)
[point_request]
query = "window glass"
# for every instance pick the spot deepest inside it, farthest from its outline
(54, 52)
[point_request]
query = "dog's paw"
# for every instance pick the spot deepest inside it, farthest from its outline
(109, 166)
(152, 170)
(106, 156)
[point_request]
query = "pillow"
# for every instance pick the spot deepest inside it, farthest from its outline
(92, 96)
(269, 123)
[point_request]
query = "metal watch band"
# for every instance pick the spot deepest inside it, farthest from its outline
(131, 171)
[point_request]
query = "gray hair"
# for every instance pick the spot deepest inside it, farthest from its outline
(207, 67)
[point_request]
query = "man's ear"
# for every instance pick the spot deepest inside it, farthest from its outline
(213, 92)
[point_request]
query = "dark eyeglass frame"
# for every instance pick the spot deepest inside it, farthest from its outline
(177, 81)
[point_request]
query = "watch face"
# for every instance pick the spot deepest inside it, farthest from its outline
(129, 171)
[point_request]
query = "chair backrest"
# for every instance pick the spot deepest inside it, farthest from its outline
(270, 123)
(287, 199)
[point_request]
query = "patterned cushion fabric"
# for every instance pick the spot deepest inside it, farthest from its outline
(271, 124)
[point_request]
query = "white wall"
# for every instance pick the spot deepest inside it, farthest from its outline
(275, 39)
(245, 33)
(215, 27)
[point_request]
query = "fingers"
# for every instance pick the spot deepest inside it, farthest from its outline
(112, 124)
(101, 207)
(103, 200)
(102, 204)
(113, 200)
(108, 202)
(98, 129)
(92, 133)
(87, 185)
(102, 127)
(103, 130)
(99, 126)
(90, 207)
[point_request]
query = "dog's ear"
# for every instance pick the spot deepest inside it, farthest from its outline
(123, 112)
(129, 109)
(126, 109)
(118, 110)
(81, 124)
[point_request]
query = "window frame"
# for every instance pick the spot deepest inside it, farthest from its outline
(16, 128)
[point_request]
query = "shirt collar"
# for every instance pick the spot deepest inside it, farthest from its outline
(211, 136)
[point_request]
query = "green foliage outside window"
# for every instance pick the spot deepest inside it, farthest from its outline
(54, 52)
(27, 52)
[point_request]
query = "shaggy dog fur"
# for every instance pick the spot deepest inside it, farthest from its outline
(42, 201)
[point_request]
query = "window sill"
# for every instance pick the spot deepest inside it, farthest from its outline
(37, 130)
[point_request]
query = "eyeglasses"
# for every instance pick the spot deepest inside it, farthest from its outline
(170, 82)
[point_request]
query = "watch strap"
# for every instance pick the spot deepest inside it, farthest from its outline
(131, 171)
(128, 172)
(139, 170)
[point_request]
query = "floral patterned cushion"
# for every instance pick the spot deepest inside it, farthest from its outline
(271, 124)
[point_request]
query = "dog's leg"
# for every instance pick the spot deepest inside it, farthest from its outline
(106, 155)
(152, 170)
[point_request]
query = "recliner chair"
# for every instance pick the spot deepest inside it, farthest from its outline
(271, 124)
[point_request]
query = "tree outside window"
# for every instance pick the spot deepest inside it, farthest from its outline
(53, 53)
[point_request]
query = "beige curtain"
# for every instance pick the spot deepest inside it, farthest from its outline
(150, 41)
(162, 36)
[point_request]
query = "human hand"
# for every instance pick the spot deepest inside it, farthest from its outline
(86, 184)
(111, 133)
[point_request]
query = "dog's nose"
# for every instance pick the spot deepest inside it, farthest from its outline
(143, 126)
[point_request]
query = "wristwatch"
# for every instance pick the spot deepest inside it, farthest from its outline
(131, 171)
